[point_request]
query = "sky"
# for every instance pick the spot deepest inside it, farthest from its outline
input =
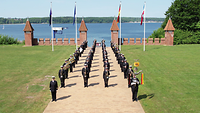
(85, 8)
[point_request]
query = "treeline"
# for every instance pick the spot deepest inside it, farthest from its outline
(70, 20)
(185, 16)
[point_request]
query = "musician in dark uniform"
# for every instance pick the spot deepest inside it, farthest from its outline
(61, 75)
(106, 74)
(66, 69)
(134, 87)
(106, 63)
(129, 72)
(53, 86)
(125, 68)
(71, 64)
(85, 73)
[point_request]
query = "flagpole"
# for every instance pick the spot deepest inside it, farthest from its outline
(52, 28)
(120, 28)
(144, 23)
(76, 27)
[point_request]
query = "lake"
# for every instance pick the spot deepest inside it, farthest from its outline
(96, 31)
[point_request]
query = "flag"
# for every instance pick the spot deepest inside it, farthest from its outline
(142, 15)
(119, 13)
(74, 14)
(50, 17)
(142, 79)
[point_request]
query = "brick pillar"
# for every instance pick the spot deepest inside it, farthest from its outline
(125, 41)
(28, 34)
(138, 41)
(131, 41)
(60, 41)
(78, 41)
(114, 32)
(54, 41)
(72, 41)
(169, 33)
(145, 41)
(162, 42)
(150, 41)
(47, 41)
(41, 41)
(66, 41)
(156, 41)
(83, 32)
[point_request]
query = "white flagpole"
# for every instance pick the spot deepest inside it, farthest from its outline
(120, 42)
(144, 23)
(76, 27)
(52, 28)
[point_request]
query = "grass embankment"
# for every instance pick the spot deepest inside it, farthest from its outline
(25, 73)
(171, 77)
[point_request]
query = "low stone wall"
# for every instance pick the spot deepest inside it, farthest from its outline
(157, 41)
(60, 41)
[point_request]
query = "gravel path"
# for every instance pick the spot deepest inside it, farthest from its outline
(74, 98)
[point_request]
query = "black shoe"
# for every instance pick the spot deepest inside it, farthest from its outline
(136, 99)
(133, 100)
(51, 100)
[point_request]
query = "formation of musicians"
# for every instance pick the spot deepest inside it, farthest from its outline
(129, 73)
(106, 64)
(70, 63)
(87, 65)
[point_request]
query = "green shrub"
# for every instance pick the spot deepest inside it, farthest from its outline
(159, 33)
(6, 40)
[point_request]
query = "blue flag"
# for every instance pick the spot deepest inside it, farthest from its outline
(50, 17)
(74, 14)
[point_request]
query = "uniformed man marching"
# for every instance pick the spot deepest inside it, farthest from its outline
(85, 73)
(106, 74)
(61, 75)
(134, 87)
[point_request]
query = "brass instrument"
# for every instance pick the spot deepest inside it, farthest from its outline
(85, 73)
(107, 74)
(66, 66)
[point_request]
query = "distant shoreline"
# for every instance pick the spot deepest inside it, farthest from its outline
(72, 23)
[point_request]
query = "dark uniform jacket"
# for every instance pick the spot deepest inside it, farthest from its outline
(87, 72)
(53, 86)
(104, 74)
(61, 73)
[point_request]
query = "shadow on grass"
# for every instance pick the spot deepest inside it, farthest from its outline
(70, 85)
(93, 84)
(64, 97)
(140, 97)
(95, 62)
(79, 66)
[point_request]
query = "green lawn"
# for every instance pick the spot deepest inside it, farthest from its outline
(171, 77)
(25, 74)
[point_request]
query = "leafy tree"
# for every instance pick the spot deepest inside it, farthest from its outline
(185, 14)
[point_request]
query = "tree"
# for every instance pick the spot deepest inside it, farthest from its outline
(185, 14)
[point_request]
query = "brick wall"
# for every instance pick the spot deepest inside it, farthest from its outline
(130, 41)
(59, 41)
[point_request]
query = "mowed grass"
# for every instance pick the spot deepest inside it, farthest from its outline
(171, 77)
(25, 73)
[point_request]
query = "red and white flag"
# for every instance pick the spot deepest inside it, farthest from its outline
(142, 14)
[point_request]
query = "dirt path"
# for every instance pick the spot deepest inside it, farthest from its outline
(74, 98)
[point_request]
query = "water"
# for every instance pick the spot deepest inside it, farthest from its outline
(96, 31)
